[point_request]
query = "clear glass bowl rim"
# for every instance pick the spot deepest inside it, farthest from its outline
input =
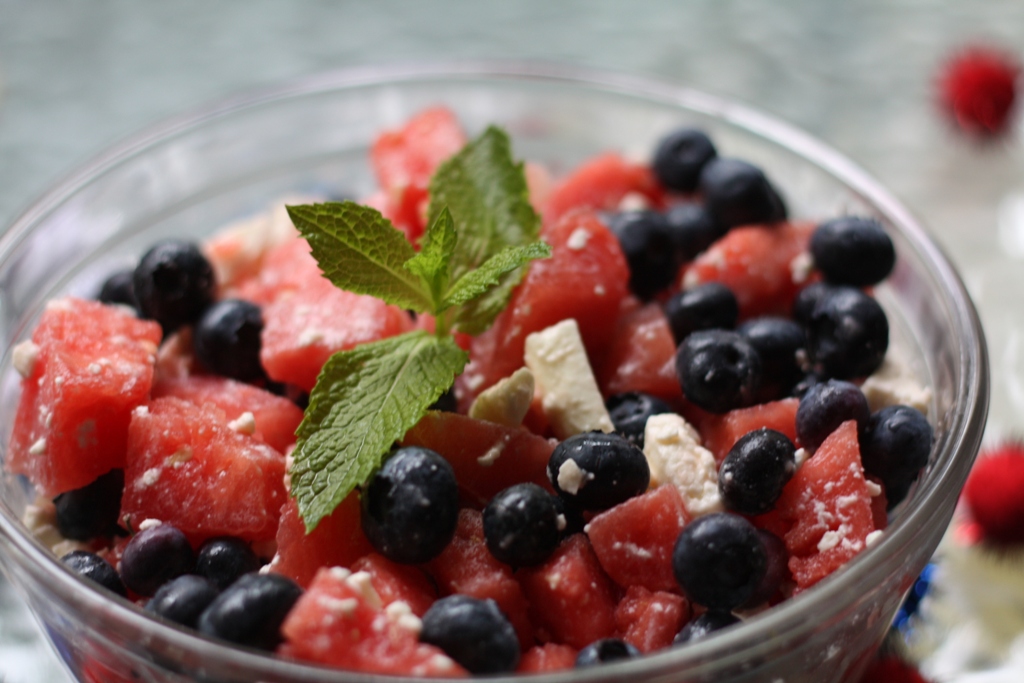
(785, 621)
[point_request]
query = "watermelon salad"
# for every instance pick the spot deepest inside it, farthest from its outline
(685, 415)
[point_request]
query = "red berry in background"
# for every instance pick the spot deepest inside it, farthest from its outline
(994, 494)
(978, 89)
(888, 669)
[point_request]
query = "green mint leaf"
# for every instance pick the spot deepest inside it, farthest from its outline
(361, 251)
(433, 262)
(490, 274)
(486, 192)
(364, 400)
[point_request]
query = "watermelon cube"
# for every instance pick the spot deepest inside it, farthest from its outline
(650, 620)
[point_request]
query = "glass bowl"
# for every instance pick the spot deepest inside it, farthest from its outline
(193, 174)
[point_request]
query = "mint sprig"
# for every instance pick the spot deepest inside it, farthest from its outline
(481, 234)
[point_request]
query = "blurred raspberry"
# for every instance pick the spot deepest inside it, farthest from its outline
(978, 89)
(889, 669)
(994, 494)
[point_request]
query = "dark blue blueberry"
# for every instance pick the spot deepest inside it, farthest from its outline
(756, 469)
(680, 157)
(709, 306)
(250, 612)
(648, 245)
(475, 633)
(597, 471)
(91, 511)
(782, 345)
(630, 412)
(94, 568)
(827, 405)
(411, 506)
(119, 288)
(572, 521)
(223, 560)
(894, 447)
(521, 525)
(913, 600)
(154, 556)
(804, 385)
(848, 334)
(604, 651)
(705, 625)
(693, 230)
(183, 599)
(227, 339)
(174, 284)
(719, 370)
(776, 572)
(719, 560)
(853, 250)
(806, 300)
(738, 193)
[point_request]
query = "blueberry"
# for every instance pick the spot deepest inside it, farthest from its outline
(227, 339)
(648, 245)
(848, 334)
(597, 471)
(91, 511)
(521, 525)
(776, 573)
(174, 284)
(630, 411)
(705, 625)
(827, 405)
(719, 560)
(679, 158)
(719, 370)
(604, 651)
(709, 306)
(895, 446)
(573, 519)
(806, 299)
(224, 559)
(737, 193)
(411, 506)
(853, 250)
(756, 469)
(475, 633)
(119, 288)
(183, 599)
(693, 230)
(94, 568)
(804, 385)
(782, 345)
(251, 610)
(153, 557)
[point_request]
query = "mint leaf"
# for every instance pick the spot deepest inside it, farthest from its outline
(490, 274)
(364, 400)
(433, 262)
(486, 192)
(361, 251)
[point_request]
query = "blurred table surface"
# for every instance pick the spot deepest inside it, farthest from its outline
(77, 77)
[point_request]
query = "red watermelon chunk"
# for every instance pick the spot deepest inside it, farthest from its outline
(547, 657)
(586, 278)
(634, 540)
(650, 620)
(487, 457)
(398, 582)
(759, 263)
(721, 432)
(600, 184)
(642, 356)
(276, 418)
(337, 541)
(466, 566)
(340, 621)
(829, 503)
(87, 366)
(286, 267)
(186, 467)
(572, 600)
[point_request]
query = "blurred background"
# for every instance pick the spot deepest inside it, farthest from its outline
(76, 77)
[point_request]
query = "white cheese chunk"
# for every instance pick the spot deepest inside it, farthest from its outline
(675, 456)
(244, 424)
(565, 382)
(894, 384)
(25, 356)
(507, 402)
